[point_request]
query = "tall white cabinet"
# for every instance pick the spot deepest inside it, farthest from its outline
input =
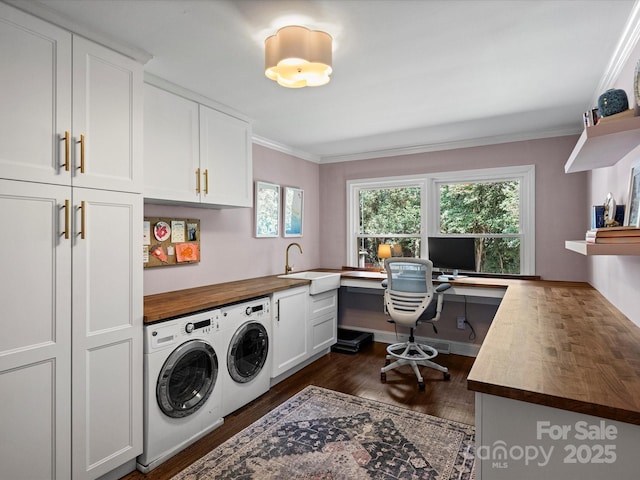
(70, 253)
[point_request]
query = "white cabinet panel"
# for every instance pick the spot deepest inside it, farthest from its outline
(35, 344)
(37, 93)
(323, 321)
(30, 428)
(225, 154)
(171, 149)
(290, 339)
(111, 365)
(107, 330)
(107, 111)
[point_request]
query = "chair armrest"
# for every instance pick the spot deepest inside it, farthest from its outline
(442, 287)
(384, 283)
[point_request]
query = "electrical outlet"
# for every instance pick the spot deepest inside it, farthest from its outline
(461, 321)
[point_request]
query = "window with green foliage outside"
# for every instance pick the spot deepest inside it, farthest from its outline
(391, 216)
(489, 211)
(494, 206)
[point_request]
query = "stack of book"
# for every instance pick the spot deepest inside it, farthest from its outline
(613, 235)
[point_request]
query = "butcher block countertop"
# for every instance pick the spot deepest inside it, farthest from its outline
(558, 344)
(162, 306)
(561, 345)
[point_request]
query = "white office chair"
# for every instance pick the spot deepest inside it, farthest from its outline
(410, 299)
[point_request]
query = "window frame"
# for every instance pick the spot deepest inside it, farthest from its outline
(430, 206)
(353, 203)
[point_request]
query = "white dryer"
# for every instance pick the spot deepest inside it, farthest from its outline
(183, 364)
(247, 335)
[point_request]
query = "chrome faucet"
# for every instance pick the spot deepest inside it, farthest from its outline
(287, 268)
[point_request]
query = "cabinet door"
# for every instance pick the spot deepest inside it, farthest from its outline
(107, 117)
(35, 343)
(171, 150)
(107, 331)
(225, 158)
(290, 345)
(323, 321)
(35, 98)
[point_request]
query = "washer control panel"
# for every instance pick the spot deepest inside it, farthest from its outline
(257, 309)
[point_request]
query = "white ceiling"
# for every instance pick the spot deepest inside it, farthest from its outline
(409, 75)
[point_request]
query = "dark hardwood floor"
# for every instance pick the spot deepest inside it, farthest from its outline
(353, 374)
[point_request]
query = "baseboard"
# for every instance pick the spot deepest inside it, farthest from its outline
(443, 346)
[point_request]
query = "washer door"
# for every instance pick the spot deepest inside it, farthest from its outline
(187, 378)
(247, 352)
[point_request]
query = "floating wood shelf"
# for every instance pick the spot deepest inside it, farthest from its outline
(604, 145)
(584, 248)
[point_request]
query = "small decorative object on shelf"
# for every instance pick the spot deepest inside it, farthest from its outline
(598, 218)
(612, 101)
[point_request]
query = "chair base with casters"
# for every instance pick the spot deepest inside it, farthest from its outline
(415, 355)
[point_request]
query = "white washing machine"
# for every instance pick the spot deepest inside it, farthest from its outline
(183, 363)
(247, 335)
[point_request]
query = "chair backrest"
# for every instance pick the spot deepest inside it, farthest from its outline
(409, 289)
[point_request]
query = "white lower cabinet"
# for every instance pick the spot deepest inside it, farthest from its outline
(71, 347)
(303, 325)
(323, 320)
(290, 340)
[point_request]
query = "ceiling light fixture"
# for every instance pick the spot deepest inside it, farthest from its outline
(297, 57)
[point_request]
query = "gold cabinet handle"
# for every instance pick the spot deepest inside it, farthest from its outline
(67, 140)
(83, 210)
(198, 180)
(67, 221)
(206, 181)
(81, 142)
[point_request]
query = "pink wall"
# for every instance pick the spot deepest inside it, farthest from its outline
(617, 277)
(229, 249)
(560, 198)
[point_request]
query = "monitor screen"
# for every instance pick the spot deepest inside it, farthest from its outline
(451, 253)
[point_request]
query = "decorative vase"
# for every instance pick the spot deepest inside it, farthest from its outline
(612, 101)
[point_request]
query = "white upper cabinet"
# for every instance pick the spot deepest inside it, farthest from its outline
(43, 140)
(194, 154)
(36, 89)
(171, 150)
(225, 158)
(107, 119)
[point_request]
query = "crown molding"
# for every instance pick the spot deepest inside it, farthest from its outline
(435, 147)
(281, 147)
(626, 45)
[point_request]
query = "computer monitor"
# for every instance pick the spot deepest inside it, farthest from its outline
(452, 253)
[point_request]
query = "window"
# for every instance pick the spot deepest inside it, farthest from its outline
(494, 206)
(385, 212)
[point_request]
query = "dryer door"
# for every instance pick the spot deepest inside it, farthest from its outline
(248, 351)
(187, 378)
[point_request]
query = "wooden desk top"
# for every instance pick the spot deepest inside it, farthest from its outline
(559, 344)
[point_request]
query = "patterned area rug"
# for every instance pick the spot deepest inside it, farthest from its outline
(320, 434)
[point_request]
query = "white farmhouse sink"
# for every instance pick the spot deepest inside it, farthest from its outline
(320, 281)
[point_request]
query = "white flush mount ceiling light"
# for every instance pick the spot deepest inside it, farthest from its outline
(297, 57)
